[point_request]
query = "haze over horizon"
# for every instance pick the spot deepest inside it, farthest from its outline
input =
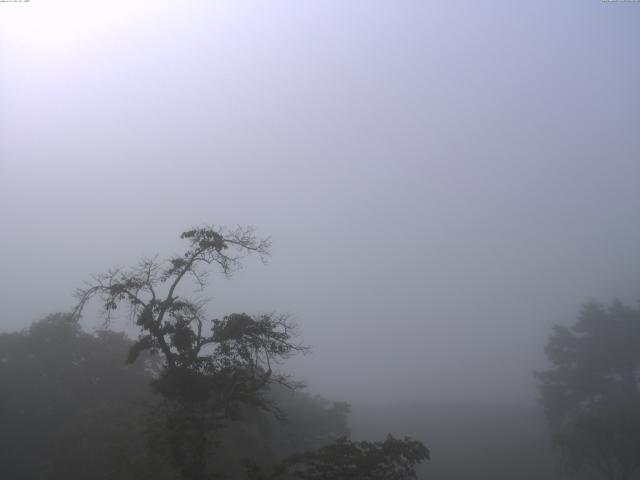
(442, 181)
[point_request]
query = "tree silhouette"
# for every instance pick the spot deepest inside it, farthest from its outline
(591, 395)
(71, 409)
(214, 371)
(210, 369)
(393, 459)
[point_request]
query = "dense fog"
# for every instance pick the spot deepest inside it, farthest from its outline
(442, 182)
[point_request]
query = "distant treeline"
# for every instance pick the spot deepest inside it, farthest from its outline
(71, 409)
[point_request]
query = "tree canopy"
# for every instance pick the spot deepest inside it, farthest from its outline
(591, 394)
(72, 409)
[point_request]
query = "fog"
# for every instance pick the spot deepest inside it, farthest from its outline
(442, 181)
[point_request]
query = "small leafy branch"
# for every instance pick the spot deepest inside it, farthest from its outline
(345, 459)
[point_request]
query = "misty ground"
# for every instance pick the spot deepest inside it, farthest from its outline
(468, 441)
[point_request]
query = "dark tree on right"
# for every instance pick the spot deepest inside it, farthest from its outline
(591, 395)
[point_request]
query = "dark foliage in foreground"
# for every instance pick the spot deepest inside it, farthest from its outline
(347, 460)
(71, 410)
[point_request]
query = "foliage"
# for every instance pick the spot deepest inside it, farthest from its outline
(591, 396)
(210, 369)
(69, 407)
(348, 460)
(310, 423)
(213, 372)
(224, 363)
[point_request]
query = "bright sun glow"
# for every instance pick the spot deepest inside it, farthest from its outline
(58, 28)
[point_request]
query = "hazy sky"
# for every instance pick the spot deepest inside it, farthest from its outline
(442, 180)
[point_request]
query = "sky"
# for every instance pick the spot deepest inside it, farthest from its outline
(442, 181)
